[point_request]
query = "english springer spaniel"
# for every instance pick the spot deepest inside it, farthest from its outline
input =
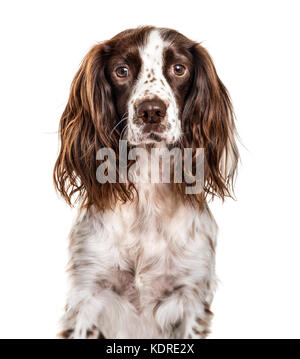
(142, 254)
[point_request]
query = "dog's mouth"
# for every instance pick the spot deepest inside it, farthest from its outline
(149, 138)
(149, 133)
(153, 132)
(157, 128)
(154, 137)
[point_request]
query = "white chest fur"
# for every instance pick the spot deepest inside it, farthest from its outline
(140, 265)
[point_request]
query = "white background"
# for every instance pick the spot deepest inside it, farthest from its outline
(255, 46)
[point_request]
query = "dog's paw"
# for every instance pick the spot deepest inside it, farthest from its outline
(93, 333)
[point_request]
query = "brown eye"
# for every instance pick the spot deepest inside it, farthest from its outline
(179, 70)
(122, 71)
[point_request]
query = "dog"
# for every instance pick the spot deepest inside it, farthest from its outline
(142, 255)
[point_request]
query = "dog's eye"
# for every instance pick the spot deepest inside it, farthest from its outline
(179, 70)
(122, 71)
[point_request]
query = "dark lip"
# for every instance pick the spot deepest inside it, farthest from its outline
(154, 132)
(150, 138)
(156, 137)
(153, 128)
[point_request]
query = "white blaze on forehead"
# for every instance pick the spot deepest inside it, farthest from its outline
(152, 83)
(152, 52)
(151, 76)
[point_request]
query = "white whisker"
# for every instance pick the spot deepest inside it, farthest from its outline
(122, 119)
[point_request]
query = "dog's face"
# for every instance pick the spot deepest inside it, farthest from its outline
(150, 81)
(146, 85)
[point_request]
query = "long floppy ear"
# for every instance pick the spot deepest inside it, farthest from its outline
(84, 128)
(208, 120)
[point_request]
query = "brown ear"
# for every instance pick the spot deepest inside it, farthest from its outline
(208, 121)
(84, 128)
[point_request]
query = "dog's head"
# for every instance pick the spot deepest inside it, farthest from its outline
(146, 85)
(151, 80)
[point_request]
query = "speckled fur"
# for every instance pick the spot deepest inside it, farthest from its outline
(144, 270)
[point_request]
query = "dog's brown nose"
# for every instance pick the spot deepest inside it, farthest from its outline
(151, 111)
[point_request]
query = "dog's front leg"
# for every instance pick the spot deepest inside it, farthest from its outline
(98, 314)
(198, 324)
(81, 319)
(184, 313)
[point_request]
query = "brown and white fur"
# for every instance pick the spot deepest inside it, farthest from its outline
(142, 256)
